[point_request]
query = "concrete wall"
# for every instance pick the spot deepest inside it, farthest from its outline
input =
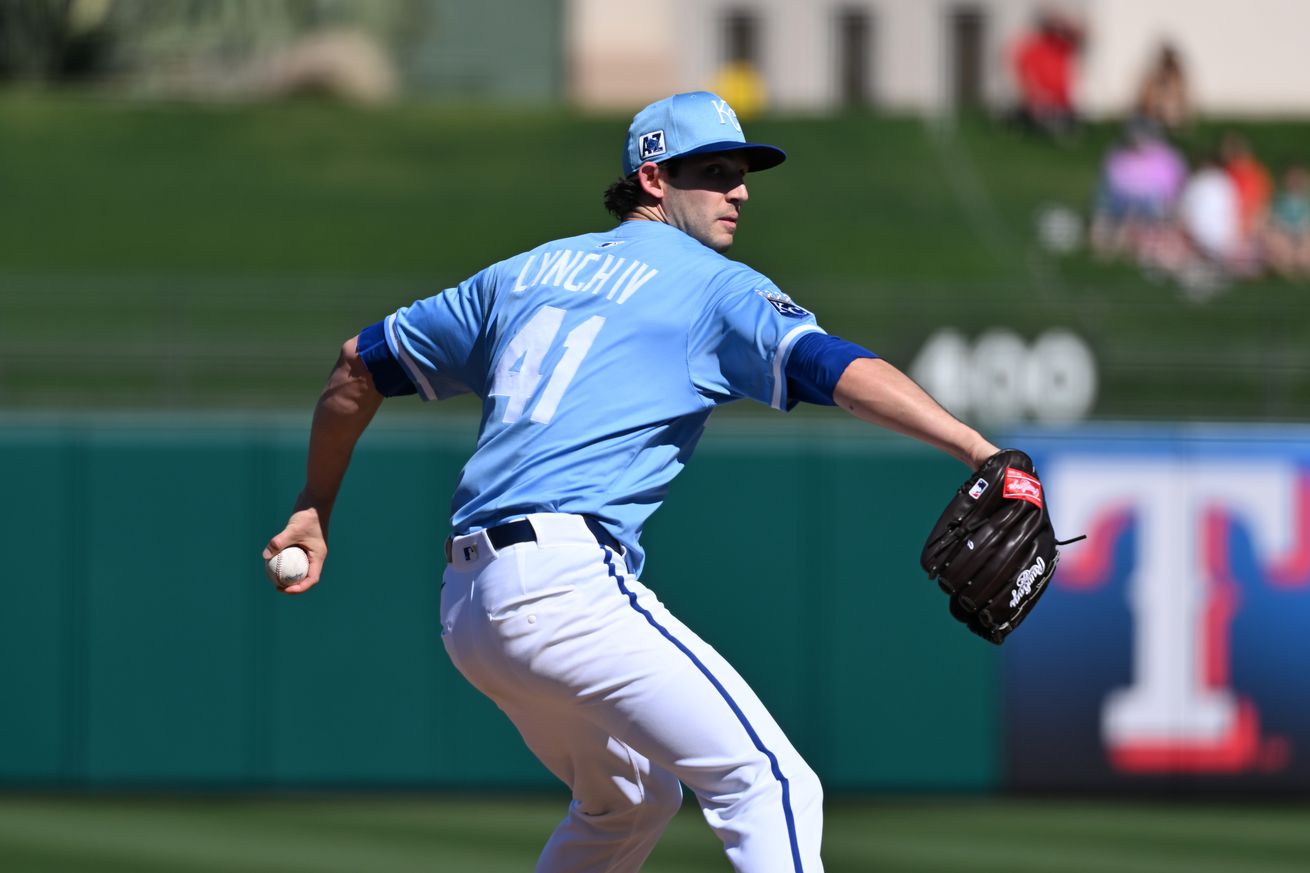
(1243, 60)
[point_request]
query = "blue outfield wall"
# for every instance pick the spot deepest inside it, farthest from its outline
(141, 646)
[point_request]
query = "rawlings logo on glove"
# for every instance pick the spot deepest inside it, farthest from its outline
(1026, 580)
(1020, 486)
(993, 550)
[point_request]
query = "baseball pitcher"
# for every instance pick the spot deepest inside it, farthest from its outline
(598, 360)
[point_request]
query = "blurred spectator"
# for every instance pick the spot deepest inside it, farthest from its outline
(1252, 181)
(1043, 64)
(1140, 183)
(1209, 214)
(1163, 97)
(1286, 236)
(740, 83)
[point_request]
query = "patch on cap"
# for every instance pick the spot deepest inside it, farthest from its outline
(652, 145)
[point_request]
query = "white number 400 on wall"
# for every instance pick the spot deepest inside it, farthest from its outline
(1000, 379)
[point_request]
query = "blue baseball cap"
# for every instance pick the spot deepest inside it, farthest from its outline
(694, 123)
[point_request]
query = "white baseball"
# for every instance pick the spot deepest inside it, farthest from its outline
(288, 566)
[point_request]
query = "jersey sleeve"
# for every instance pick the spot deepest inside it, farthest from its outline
(439, 340)
(739, 346)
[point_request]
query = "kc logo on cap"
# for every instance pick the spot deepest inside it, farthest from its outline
(727, 115)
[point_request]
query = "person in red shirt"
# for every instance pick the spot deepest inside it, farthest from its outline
(1043, 65)
(1250, 178)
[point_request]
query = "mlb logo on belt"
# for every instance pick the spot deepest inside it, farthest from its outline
(652, 145)
(1020, 486)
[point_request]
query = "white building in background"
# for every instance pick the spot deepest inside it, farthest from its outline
(1241, 58)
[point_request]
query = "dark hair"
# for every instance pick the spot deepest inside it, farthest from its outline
(1169, 58)
(624, 195)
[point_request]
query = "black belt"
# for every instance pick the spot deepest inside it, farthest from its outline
(511, 533)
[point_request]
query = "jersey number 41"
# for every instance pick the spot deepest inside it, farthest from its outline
(518, 372)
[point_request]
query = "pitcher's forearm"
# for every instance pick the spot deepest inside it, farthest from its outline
(344, 410)
(875, 391)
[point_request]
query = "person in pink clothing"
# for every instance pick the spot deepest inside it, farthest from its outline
(1141, 180)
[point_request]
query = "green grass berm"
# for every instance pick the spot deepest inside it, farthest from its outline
(176, 256)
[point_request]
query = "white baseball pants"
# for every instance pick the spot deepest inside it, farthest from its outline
(621, 701)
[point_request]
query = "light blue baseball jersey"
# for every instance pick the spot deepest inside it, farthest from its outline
(598, 360)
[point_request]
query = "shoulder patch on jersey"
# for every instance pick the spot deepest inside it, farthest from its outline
(784, 304)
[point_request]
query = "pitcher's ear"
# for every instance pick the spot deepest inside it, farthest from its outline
(652, 180)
